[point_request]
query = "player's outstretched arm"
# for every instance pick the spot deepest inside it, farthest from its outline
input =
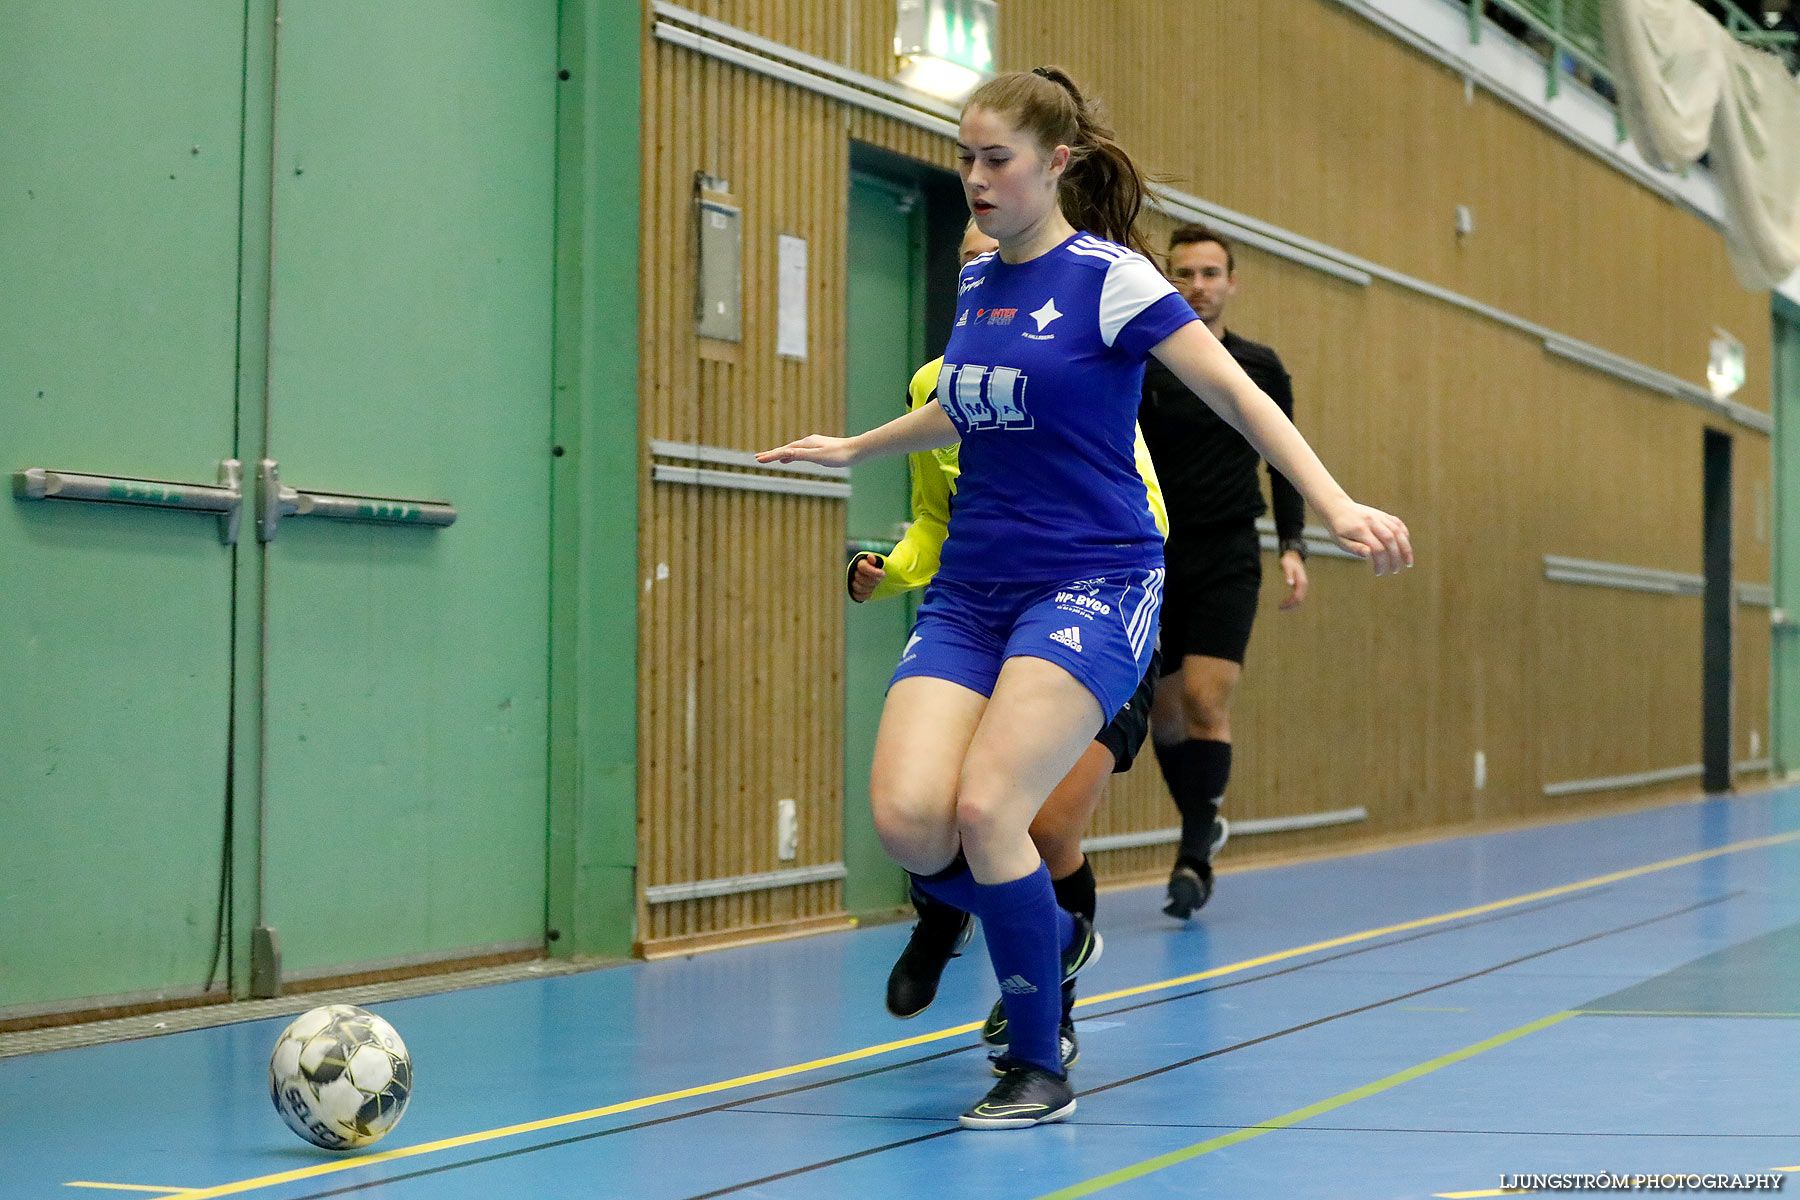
(927, 427)
(1210, 372)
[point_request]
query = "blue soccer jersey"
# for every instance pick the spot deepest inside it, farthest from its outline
(1042, 377)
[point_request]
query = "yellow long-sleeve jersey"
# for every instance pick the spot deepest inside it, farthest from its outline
(914, 560)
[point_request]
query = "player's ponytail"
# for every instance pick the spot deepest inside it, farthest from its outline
(1102, 190)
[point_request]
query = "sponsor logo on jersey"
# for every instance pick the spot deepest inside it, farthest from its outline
(1070, 637)
(1001, 316)
(969, 285)
(1046, 314)
(1081, 602)
(963, 319)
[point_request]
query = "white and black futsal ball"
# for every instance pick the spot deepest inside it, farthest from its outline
(340, 1076)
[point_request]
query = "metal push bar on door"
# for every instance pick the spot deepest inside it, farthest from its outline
(273, 502)
(225, 498)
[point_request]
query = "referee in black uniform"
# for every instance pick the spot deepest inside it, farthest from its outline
(1214, 557)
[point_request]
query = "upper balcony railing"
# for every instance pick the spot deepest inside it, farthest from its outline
(1568, 32)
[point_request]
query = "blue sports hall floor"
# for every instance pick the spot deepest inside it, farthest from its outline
(1616, 996)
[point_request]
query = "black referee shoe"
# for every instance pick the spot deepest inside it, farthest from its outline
(1190, 887)
(1025, 1096)
(939, 936)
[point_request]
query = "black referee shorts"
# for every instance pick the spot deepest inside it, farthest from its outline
(1209, 601)
(1125, 735)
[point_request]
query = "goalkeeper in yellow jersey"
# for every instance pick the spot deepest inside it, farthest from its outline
(942, 930)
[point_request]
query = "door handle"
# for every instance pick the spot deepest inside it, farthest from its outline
(225, 498)
(274, 501)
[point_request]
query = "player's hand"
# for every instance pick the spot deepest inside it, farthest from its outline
(1293, 569)
(864, 575)
(814, 448)
(1372, 534)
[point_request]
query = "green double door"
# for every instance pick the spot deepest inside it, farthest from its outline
(333, 250)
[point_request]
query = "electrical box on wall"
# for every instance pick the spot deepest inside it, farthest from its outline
(719, 279)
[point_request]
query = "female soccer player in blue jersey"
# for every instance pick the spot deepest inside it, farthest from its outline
(1043, 614)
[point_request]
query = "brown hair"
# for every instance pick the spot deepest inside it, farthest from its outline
(1189, 234)
(1102, 190)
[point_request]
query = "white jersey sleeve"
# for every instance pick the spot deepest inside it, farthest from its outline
(1132, 285)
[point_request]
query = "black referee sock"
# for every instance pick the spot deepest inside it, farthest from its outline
(1196, 771)
(1075, 892)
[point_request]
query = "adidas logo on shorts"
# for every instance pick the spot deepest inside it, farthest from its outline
(1070, 637)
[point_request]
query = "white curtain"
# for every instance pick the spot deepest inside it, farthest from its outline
(1668, 60)
(1686, 87)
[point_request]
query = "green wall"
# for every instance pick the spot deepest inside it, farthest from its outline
(593, 680)
(401, 234)
(1785, 669)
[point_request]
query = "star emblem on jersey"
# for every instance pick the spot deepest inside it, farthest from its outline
(1046, 314)
(1070, 637)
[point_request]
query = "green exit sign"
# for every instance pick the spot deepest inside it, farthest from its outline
(959, 32)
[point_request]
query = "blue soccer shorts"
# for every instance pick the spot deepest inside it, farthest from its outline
(1100, 630)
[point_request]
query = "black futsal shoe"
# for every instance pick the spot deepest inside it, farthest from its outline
(1190, 887)
(994, 1030)
(1025, 1095)
(1067, 1046)
(1083, 950)
(939, 936)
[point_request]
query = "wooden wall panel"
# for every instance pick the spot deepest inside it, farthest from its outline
(1378, 692)
(740, 629)
(1316, 120)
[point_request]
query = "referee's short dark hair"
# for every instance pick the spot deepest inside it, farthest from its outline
(1187, 234)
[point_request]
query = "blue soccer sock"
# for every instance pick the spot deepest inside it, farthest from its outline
(1025, 933)
(953, 885)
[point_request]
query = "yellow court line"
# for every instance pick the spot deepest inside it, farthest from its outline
(1162, 1161)
(125, 1187)
(471, 1139)
(1422, 922)
(488, 1135)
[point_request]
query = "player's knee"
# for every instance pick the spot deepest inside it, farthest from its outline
(983, 817)
(1208, 712)
(1168, 713)
(912, 821)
